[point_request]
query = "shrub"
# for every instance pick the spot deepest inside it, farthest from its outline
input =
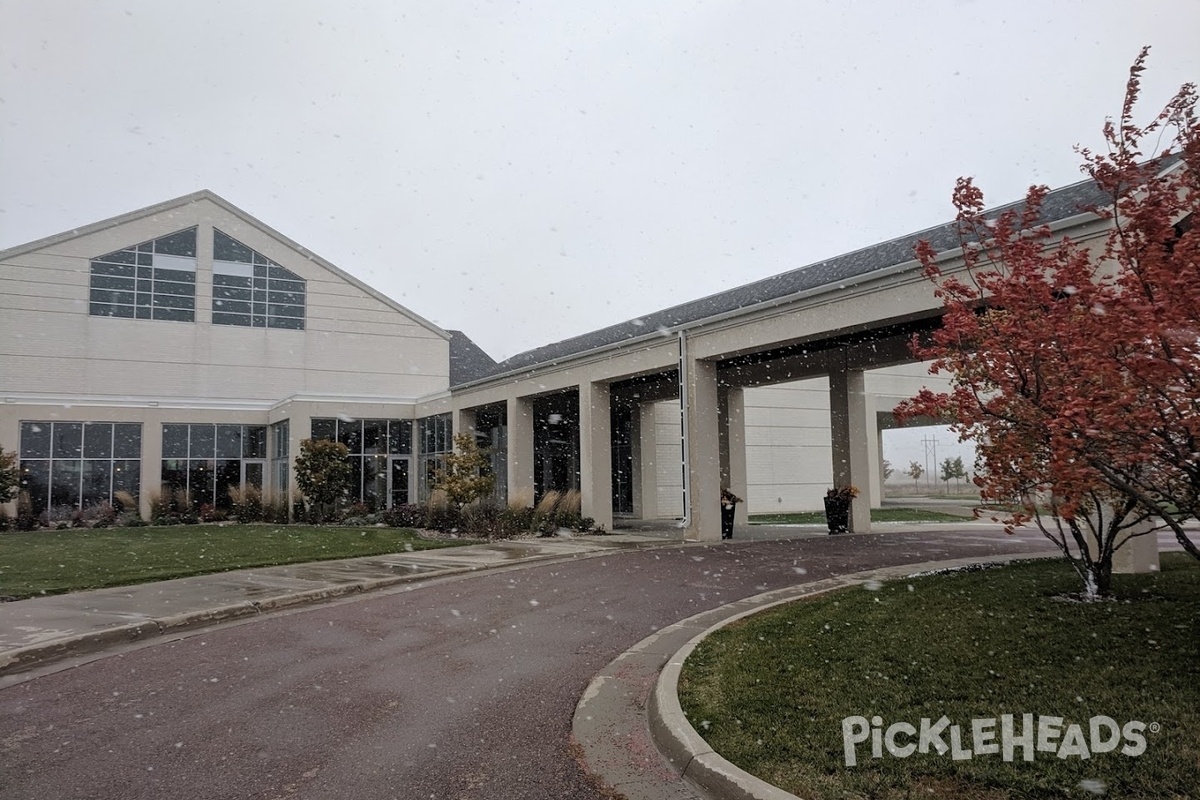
(173, 507)
(440, 515)
(323, 473)
(356, 510)
(514, 520)
(275, 509)
(543, 514)
(26, 519)
(101, 515)
(405, 516)
(247, 503)
(570, 504)
(61, 517)
(465, 477)
(210, 513)
(560, 510)
(481, 517)
(10, 477)
(125, 502)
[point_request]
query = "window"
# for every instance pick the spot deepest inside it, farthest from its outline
(206, 460)
(152, 280)
(280, 453)
(436, 436)
(379, 452)
(80, 464)
(251, 290)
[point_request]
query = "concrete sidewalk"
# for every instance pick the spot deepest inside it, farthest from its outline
(42, 630)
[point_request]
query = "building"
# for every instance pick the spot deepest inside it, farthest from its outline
(190, 346)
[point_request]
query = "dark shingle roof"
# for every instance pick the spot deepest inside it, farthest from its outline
(1058, 205)
(468, 362)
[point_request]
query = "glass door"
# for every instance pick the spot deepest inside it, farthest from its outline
(398, 475)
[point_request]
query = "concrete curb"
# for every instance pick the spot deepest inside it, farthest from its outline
(687, 766)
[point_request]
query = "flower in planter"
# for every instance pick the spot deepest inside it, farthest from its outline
(846, 493)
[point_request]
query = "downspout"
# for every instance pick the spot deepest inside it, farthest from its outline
(686, 521)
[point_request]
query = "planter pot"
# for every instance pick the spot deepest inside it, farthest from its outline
(727, 512)
(837, 514)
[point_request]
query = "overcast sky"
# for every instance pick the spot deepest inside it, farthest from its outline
(530, 171)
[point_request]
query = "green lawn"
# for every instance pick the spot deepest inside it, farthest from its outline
(877, 515)
(51, 562)
(770, 693)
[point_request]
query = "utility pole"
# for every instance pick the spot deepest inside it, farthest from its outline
(930, 443)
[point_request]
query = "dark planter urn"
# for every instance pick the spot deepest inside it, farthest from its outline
(837, 514)
(727, 512)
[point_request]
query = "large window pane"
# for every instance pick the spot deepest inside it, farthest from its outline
(400, 437)
(203, 441)
(324, 429)
(229, 476)
(200, 481)
(127, 440)
(35, 479)
(350, 434)
(126, 477)
(64, 483)
(175, 441)
(229, 441)
(97, 482)
(279, 439)
(97, 440)
(375, 481)
(173, 314)
(68, 439)
(35, 440)
(174, 474)
(254, 441)
(374, 435)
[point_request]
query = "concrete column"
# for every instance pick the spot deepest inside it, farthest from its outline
(151, 477)
(875, 441)
(1135, 553)
(595, 453)
(850, 433)
(635, 458)
(732, 410)
(647, 463)
(463, 420)
(520, 448)
(703, 451)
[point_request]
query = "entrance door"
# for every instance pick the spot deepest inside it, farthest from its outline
(398, 482)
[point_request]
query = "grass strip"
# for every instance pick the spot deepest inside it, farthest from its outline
(770, 692)
(53, 562)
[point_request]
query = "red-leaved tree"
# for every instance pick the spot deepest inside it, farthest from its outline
(1075, 363)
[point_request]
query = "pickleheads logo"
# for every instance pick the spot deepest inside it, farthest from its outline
(990, 736)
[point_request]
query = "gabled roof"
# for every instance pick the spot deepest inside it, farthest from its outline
(468, 362)
(205, 194)
(1059, 205)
